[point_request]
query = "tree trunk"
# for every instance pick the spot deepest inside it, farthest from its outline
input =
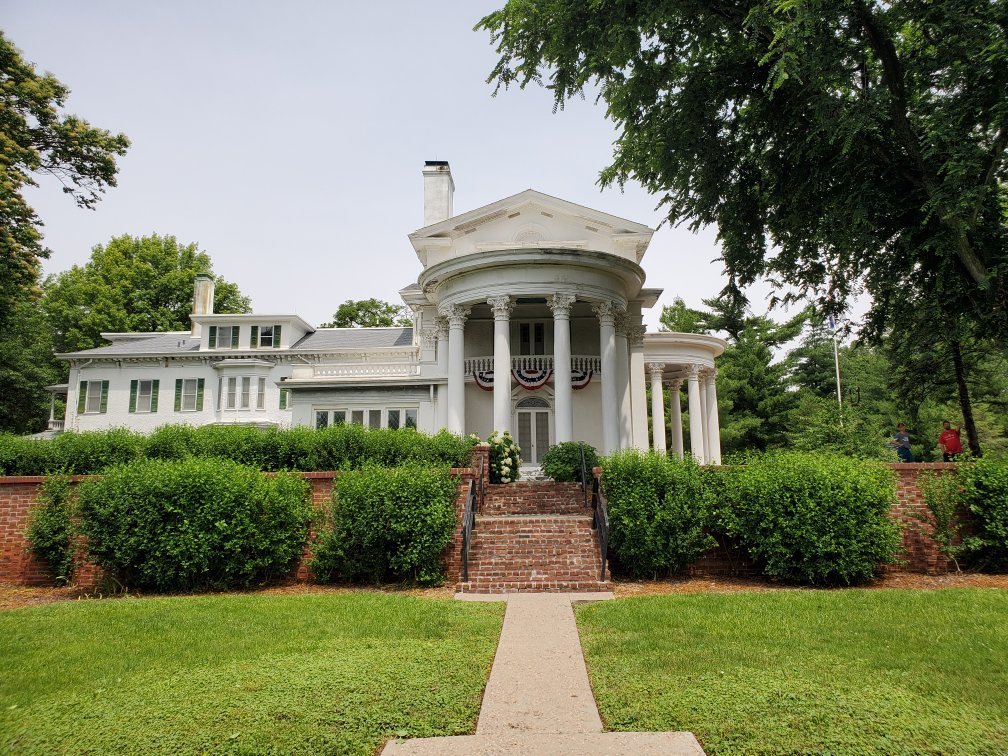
(964, 399)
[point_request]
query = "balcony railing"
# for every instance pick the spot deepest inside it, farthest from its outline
(369, 370)
(536, 362)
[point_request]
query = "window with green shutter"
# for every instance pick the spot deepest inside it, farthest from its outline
(154, 395)
(284, 398)
(133, 395)
(213, 337)
(199, 395)
(254, 338)
(103, 408)
(276, 336)
(234, 337)
(81, 397)
(178, 394)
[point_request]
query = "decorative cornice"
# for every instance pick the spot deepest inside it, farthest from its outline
(635, 334)
(502, 307)
(656, 369)
(561, 305)
(455, 314)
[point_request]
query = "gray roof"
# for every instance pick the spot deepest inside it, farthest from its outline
(322, 340)
(330, 339)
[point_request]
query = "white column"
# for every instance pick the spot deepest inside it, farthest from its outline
(563, 394)
(703, 413)
(656, 370)
(606, 312)
(441, 418)
(675, 405)
(695, 418)
(623, 381)
(638, 388)
(713, 423)
(456, 315)
(502, 307)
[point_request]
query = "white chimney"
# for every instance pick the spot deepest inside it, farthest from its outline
(202, 301)
(438, 189)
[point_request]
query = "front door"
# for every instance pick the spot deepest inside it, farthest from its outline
(533, 423)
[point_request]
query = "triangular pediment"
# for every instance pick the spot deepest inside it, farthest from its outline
(530, 219)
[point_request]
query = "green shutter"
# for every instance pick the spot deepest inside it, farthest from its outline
(153, 395)
(133, 393)
(254, 338)
(235, 330)
(199, 394)
(178, 394)
(213, 337)
(276, 337)
(283, 398)
(82, 397)
(104, 397)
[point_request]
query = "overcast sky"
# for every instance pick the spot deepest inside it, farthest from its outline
(287, 140)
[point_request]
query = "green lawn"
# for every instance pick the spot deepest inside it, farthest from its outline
(294, 674)
(807, 671)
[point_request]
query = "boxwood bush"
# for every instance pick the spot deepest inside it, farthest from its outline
(658, 512)
(343, 447)
(810, 518)
(562, 461)
(387, 524)
(195, 524)
(50, 532)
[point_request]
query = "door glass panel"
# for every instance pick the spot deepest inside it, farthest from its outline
(321, 419)
(374, 419)
(524, 339)
(338, 417)
(393, 419)
(411, 417)
(357, 417)
(541, 435)
(539, 344)
(525, 434)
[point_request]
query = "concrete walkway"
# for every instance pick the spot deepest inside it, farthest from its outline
(538, 699)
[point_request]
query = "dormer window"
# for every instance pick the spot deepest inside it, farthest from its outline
(265, 337)
(224, 337)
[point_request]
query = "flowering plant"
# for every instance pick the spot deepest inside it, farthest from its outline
(505, 457)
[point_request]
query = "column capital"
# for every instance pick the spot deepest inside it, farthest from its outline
(635, 334)
(441, 324)
(675, 384)
(502, 307)
(622, 322)
(656, 369)
(711, 374)
(606, 311)
(429, 337)
(695, 371)
(456, 315)
(560, 304)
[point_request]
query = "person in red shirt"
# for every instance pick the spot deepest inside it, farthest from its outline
(950, 442)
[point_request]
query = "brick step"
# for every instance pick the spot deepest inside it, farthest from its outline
(520, 586)
(533, 498)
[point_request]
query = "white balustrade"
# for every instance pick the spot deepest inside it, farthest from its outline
(534, 362)
(396, 370)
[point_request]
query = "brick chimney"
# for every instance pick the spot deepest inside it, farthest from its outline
(202, 303)
(438, 189)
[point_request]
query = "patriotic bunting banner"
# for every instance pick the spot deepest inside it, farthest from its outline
(532, 379)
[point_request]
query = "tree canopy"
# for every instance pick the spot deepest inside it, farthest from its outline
(369, 313)
(834, 143)
(37, 139)
(131, 284)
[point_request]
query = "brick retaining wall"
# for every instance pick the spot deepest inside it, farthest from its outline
(20, 567)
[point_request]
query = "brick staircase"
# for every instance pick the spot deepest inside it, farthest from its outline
(533, 536)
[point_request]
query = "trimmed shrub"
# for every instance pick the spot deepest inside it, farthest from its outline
(50, 532)
(985, 492)
(343, 447)
(658, 512)
(195, 524)
(387, 524)
(945, 520)
(562, 461)
(812, 519)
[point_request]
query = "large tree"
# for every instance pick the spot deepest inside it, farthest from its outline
(369, 313)
(38, 139)
(27, 366)
(131, 284)
(834, 142)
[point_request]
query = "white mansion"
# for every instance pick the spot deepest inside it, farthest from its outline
(526, 317)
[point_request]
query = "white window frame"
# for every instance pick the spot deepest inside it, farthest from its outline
(187, 396)
(261, 393)
(232, 393)
(93, 396)
(140, 396)
(262, 336)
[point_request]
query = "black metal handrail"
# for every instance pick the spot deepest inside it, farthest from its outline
(600, 521)
(584, 477)
(468, 526)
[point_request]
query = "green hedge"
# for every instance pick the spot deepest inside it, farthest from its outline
(342, 447)
(196, 524)
(984, 492)
(812, 519)
(50, 532)
(387, 524)
(658, 512)
(562, 461)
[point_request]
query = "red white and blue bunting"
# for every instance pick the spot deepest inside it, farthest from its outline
(531, 378)
(484, 379)
(580, 378)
